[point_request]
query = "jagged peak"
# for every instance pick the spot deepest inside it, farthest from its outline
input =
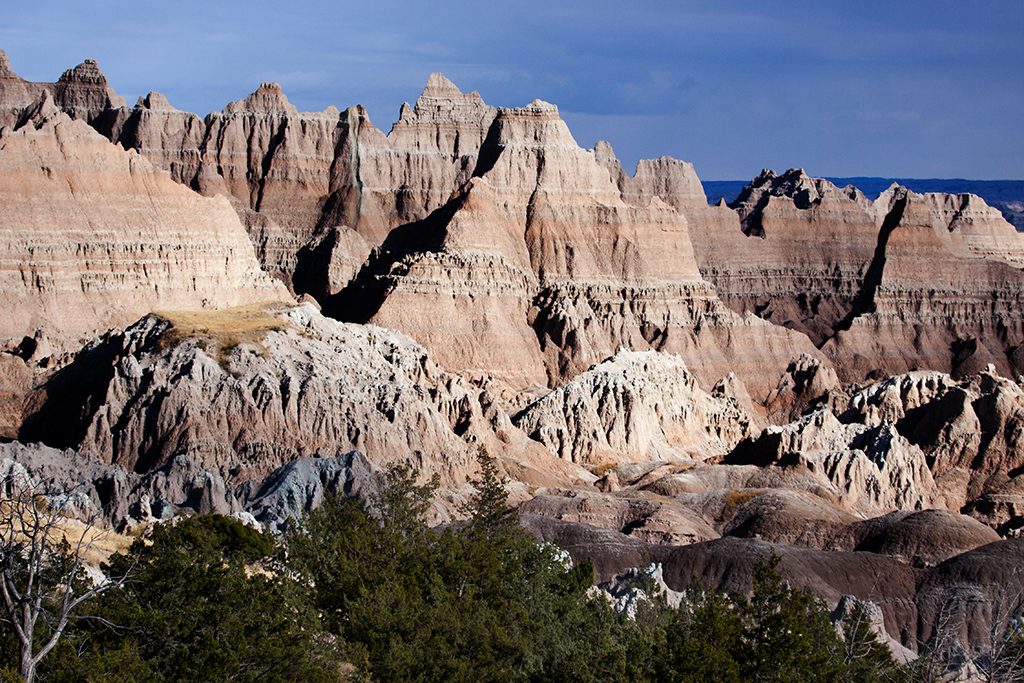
(41, 112)
(269, 97)
(6, 72)
(892, 193)
(86, 73)
(440, 87)
(603, 152)
(441, 95)
(156, 102)
(789, 184)
(443, 103)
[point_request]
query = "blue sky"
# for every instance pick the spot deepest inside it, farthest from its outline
(896, 89)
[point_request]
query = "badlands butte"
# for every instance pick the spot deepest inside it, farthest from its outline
(242, 312)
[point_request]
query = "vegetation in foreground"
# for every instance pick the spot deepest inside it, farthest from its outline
(357, 595)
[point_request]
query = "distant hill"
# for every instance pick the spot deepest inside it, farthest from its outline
(1005, 195)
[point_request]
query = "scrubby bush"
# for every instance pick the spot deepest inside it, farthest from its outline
(373, 593)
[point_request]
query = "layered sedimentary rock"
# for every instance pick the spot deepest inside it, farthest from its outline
(905, 282)
(590, 259)
(944, 291)
(802, 254)
(318, 191)
(296, 178)
(241, 407)
(94, 236)
(540, 258)
(635, 406)
(274, 163)
(82, 92)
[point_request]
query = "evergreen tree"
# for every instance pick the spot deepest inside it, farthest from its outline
(703, 640)
(787, 635)
(200, 607)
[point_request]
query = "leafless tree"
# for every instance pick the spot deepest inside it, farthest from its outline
(42, 570)
(1004, 661)
(1001, 659)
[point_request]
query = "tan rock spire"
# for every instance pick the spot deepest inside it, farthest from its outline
(6, 72)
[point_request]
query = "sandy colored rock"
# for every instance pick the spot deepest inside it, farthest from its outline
(795, 250)
(648, 520)
(634, 406)
(296, 177)
(807, 384)
(241, 405)
(874, 470)
(94, 237)
(935, 295)
(592, 272)
(906, 282)
(81, 92)
(974, 424)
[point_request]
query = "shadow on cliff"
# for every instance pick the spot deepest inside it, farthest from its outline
(365, 294)
(59, 412)
(865, 301)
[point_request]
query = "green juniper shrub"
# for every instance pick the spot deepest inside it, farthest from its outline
(197, 609)
(474, 601)
(787, 635)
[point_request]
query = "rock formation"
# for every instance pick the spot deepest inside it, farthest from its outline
(90, 489)
(300, 179)
(596, 259)
(94, 237)
(81, 92)
(615, 342)
(873, 470)
(540, 268)
(944, 293)
(241, 406)
(635, 406)
(906, 282)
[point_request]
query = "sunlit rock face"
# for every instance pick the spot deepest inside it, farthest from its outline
(94, 236)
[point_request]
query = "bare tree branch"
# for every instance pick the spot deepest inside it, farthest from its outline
(42, 574)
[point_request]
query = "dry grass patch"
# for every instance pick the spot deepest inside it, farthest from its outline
(96, 543)
(734, 500)
(223, 329)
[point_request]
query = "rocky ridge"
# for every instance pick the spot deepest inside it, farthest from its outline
(530, 265)
(94, 236)
(308, 387)
(560, 269)
(905, 282)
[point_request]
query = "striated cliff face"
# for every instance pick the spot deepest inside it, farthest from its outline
(795, 253)
(302, 181)
(528, 247)
(905, 282)
(539, 268)
(94, 236)
(944, 291)
(499, 238)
